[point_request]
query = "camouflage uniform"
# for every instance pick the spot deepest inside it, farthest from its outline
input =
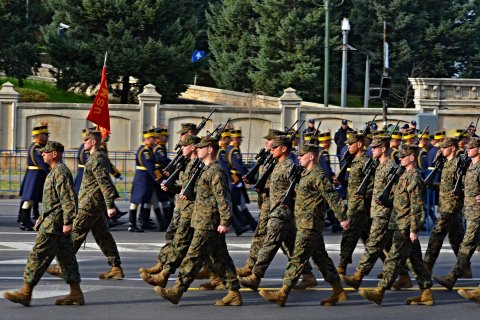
(358, 209)
(380, 235)
(450, 220)
(212, 208)
(59, 209)
(280, 226)
(97, 194)
(471, 211)
(407, 215)
(313, 192)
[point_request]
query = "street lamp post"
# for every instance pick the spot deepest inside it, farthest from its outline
(345, 30)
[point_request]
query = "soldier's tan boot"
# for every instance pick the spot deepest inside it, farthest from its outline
(472, 295)
(279, 297)
(204, 273)
(215, 283)
(447, 281)
(380, 275)
(114, 273)
(426, 298)
(251, 281)
(23, 296)
(159, 279)
(173, 294)
(374, 295)
(244, 271)
(74, 298)
(342, 269)
(308, 281)
(55, 271)
(354, 281)
(152, 270)
(403, 282)
(233, 298)
(467, 273)
(339, 295)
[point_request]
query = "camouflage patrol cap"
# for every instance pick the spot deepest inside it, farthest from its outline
(282, 140)
(306, 148)
(191, 139)
(185, 127)
(53, 146)
(473, 143)
(448, 142)
(355, 137)
(272, 133)
(206, 141)
(407, 150)
(93, 134)
(380, 140)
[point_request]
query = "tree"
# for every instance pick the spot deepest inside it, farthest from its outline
(231, 35)
(18, 51)
(149, 40)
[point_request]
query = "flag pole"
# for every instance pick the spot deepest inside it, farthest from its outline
(105, 61)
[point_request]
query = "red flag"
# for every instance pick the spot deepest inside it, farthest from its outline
(99, 113)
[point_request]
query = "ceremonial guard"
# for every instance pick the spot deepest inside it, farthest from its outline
(31, 189)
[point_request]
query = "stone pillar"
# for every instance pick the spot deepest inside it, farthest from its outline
(8, 116)
(149, 101)
(289, 102)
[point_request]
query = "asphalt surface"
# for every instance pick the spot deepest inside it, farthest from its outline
(131, 298)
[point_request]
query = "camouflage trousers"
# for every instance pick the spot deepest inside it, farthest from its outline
(402, 249)
(207, 245)
(45, 249)
(467, 248)
(380, 239)
(448, 223)
(178, 245)
(280, 234)
(97, 223)
(258, 237)
(309, 244)
(359, 228)
(169, 235)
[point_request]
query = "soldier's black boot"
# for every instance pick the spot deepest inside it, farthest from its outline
(36, 211)
(239, 229)
(19, 216)
(250, 219)
(119, 213)
(132, 221)
(145, 219)
(25, 223)
(168, 212)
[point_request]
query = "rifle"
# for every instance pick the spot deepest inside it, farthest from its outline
(395, 174)
(438, 163)
(463, 163)
(170, 168)
(261, 157)
(270, 163)
(315, 133)
(294, 176)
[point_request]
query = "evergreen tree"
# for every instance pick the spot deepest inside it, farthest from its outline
(231, 41)
(149, 40)
(18, 51)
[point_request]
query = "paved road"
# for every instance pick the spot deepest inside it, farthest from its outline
(131, 298)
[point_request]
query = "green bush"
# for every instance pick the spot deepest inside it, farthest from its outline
(30, 95)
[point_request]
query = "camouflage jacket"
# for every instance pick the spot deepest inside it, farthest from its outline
(185, 206)
(313, 191)
(265, 196)
(408, 202)
(213, 205)
(447, 204)
(59, 200)
(357, 204)
(279, 184)
(97, 189)
(380, 181)
(471, 209)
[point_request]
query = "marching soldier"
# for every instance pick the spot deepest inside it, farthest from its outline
(407, 214)
(358, 207)
(472, 216)
(313, 191)
(32, 184)
(449, 207)
(146, 176)
(54, 227)
(210, 220)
